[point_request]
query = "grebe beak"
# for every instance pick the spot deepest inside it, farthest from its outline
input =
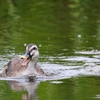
(27, 57)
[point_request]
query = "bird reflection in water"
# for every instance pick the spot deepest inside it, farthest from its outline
(30, 87)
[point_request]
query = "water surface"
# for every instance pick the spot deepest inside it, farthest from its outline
(68, 36)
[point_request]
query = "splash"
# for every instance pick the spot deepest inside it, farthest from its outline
(58, 72)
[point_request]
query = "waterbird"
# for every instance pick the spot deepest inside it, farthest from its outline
(24, 65)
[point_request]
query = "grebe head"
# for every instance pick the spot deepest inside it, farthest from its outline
(31, 54)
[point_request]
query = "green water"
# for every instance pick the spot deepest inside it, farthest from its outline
(83, 88)
(60, 28)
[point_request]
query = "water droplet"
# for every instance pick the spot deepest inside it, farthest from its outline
(79, 36)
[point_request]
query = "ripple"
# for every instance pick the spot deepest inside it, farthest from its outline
(57, 72)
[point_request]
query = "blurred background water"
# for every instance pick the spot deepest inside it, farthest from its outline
(67, 33)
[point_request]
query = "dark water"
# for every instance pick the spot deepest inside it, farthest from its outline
(67, 33)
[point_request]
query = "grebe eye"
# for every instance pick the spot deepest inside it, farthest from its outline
(34, 48)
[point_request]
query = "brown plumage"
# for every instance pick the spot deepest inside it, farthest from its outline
(27, 65)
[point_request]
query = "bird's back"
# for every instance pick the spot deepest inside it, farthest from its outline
(14, 67)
